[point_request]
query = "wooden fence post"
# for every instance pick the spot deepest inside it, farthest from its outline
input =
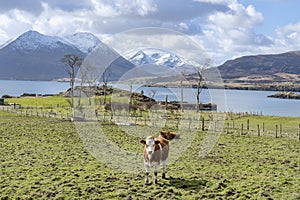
(299, 132)
(258, 130)
(215, 127)
(263, 128)
(166, 102)
(276, 131)
(242, 128)
(203, 128)
(227, 128)
(248, 124)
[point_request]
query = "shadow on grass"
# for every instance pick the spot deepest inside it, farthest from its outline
(188, 184)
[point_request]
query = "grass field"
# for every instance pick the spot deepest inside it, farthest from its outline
(44, 158)
(41, 101)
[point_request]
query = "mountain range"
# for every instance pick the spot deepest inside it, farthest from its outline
(34, 56)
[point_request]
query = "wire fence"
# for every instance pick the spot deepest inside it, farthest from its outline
(239, 125)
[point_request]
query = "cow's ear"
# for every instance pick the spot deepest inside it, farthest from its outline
(143, 141)
(157, 142)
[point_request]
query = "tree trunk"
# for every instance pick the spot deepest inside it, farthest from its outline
(104, 90)
(181, 95)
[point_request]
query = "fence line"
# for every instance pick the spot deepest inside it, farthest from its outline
(191, 122)
(277, 131)
(36, 112)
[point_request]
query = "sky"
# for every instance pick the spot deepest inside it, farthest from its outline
(225, 29)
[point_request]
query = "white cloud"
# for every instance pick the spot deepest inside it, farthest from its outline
(237, 17)
(233, 32)
(289, 36)
(54, 21)
(13, 23)
(288, 29)
(115, 8)
(214, 1)
(5, 21)
(224, 28)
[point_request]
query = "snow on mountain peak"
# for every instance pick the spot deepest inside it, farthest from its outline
(84, 41)
(33, 40)
(157, 57)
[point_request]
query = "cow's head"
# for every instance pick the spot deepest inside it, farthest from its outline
(149, 144)
(169, 135)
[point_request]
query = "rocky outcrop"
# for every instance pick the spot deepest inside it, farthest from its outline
(285, 95)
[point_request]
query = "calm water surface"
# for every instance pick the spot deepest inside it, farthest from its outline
(17, 88)
(227, 100)
(230, 100)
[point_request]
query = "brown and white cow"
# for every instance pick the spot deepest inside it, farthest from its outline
(156, 150)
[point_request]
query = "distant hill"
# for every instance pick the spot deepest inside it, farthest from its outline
(263, 68)
(34, 56)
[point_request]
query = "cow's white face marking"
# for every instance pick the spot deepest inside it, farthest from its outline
(150, 145)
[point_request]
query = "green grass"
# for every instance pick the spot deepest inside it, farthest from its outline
(44, 158)
(289, 125)
(41, 101)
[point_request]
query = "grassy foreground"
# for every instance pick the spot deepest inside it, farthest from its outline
(44, 158)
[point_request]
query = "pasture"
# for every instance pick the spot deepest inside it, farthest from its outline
(44, 158)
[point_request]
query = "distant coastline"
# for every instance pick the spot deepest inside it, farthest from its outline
(280, 87)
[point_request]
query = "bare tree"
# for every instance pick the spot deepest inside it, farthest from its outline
(152, 93)
(200, 81)
(184, 75)
(105, 77)
(90, 76)
(73, 63)
(181, 96)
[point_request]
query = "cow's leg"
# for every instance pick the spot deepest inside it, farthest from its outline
(164, 165)
(155, 173)
(147, 167)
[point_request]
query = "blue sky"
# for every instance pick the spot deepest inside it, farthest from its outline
(225, 29)
(276, 13)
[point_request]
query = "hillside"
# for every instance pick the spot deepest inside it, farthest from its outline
(34, 56)
(284, 67)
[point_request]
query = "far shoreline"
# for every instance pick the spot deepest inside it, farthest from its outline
(276, 87)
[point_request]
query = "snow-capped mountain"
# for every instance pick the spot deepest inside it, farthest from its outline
(84, 41)
(35, 56)
(33, 40)
(156, 57)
